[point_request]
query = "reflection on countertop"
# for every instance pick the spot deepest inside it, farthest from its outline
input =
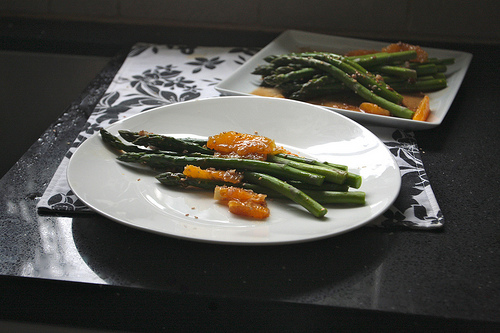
(35, 89)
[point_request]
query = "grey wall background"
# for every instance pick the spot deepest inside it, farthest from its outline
(436, 20)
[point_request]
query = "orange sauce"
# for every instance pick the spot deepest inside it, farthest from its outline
(348, 100)
(344, 101)
(268, 92)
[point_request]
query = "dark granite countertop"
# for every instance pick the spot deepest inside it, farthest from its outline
(87, 271)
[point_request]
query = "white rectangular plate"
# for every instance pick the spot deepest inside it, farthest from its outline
(243, 82)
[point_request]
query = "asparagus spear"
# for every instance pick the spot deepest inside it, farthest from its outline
(359, 73)
(116, 143)
(420, 85)
(397, 71)
(300, 74)
(352, 83)
(441, 61)
(331, 175)
(287, 69)
(332, 197)
(326, 186)
(425, 69)
(288, 191)
(316, 87)
(278, 170)
(383, 58)
(178, 179)
(352, 179)
(266, 69)
(312, 161)
(163, 142)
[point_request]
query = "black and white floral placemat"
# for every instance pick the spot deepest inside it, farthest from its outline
(156, 75)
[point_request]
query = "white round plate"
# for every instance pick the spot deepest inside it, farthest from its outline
(132, 196)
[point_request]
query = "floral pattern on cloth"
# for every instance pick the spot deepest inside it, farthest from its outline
(157, 75)
(410, 209)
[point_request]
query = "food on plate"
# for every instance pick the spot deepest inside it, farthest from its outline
(373, 108)
(242, 201)
(234, 144)
(233, 173)
(423, 109)
(422, 56)
(230, 176)
(384, 78)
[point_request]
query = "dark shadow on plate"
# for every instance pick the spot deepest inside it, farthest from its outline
(125, 256)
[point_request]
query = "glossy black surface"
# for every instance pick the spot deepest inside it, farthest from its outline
(88, 271)
(35, 88)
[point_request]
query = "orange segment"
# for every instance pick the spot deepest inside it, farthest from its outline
(226, 193)
(422, 56)
(423, 109)
(243, 202)
(374, 109)
(235, 144)
(249, 209)
(231, 176)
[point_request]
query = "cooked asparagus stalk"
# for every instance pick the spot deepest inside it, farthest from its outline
(353, 84)
(178, 179)
(351, 179)
(383, 58)
(331, 175)
(278, 170)
(358, 72)
(116, 143)
(288, 191)
(300, 74)
(317, 87)
(162, 142)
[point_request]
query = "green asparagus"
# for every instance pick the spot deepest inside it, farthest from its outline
(317, 87)
(352, 83)
(308, 182)
(278, 170)
(383, 58)
(420, 85)
(359, 73)
(162, 142)
(312, 161)
(116, 143)
(300, 74)
(397, 71)
(288, 191)
(332, 197)
(379, 78)
(351, 179)
(331, 175)
(176, 179)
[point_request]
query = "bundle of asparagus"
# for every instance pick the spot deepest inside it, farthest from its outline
(378, 78)
(308, 182)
